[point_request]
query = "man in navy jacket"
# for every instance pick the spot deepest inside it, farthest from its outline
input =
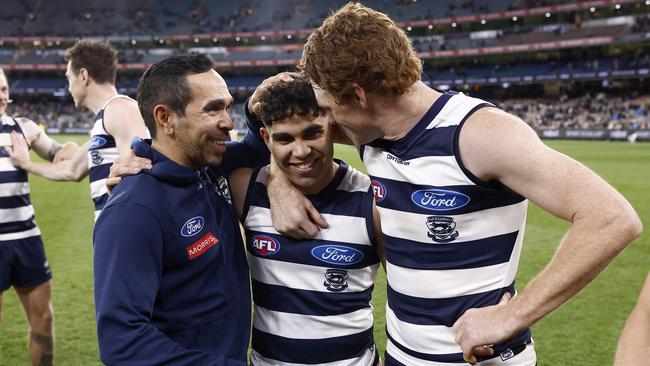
(171, 279)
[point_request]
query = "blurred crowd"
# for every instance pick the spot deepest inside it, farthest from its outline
(599, 111)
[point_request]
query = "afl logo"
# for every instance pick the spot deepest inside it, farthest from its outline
(96, 142)
(265, 245)
(193, 226)
(439, 199)
(337, 254)
(379, 190)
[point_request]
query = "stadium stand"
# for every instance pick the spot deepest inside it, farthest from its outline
(583, 53)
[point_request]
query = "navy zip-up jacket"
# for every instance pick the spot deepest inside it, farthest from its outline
(171, 278)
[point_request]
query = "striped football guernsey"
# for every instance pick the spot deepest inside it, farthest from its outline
(102, 152)
(16, 211)
(312, 297)
(452, 241)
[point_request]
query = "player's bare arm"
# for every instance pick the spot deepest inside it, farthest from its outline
(379, 236)
(123, 121)
(74, 169)
(238, 183)
(634, 343)
(38, 140)
(497, 146)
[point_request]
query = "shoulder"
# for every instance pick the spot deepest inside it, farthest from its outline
(141, 189)
(121, 110)
(26, 124)
(492, 138)
(30, 129)
(354, 181)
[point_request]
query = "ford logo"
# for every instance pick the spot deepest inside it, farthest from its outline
(193, 226)
(97, 142)
(337, 254)
(265, 245)
(439, 199)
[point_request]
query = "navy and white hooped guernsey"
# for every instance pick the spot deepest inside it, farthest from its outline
(102, 152)
(312, 297)
(452, 241)
(16, 211)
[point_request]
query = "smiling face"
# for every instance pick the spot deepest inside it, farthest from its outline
(201, 134)
(4, 93)
(302, 148)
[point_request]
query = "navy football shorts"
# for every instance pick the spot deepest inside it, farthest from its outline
(23, 263)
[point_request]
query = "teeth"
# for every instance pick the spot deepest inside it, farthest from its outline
(305, 165)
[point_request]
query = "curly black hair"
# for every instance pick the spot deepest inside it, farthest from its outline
(281, 100)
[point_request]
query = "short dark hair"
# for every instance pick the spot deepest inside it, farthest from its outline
(165, 83)
(282, 100)
(99, 58)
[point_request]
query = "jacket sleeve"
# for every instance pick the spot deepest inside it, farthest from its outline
(250, 152)
(128, 259)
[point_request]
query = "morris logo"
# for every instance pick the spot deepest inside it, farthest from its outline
(379, 190)
(97, 142)
(265, 245)
(439, 199)
(337, 254)
(193, 226)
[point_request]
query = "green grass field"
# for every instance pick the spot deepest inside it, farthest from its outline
(582, 332)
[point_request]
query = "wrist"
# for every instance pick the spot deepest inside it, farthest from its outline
(518, 318)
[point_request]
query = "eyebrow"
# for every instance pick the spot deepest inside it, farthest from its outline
(217, 104)
(312, 129)
(281, 135)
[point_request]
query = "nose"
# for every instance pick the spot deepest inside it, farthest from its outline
(225, 123)
(301, 149)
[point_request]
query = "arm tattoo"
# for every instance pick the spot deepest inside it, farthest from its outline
(54, 148)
